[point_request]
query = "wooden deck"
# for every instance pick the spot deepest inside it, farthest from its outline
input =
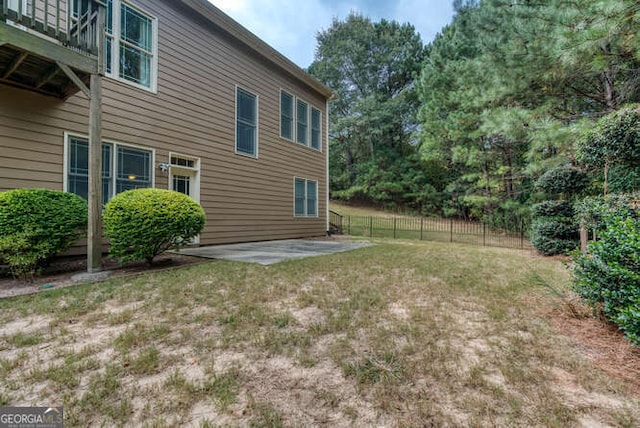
(41, 41)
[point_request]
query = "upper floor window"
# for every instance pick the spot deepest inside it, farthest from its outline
(303, 123)
(131, 45)
(316, 127)
(307, 120)
(246, 123)
(286, 115)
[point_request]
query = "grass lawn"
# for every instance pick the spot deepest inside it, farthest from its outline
(397, 334)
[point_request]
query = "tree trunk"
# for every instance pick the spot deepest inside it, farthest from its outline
(608, 77)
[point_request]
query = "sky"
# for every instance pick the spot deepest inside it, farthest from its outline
(290, 26)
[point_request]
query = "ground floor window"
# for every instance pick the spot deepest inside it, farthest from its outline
(306, 198)
(123, 168)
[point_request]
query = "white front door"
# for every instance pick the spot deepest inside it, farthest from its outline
(185, 181)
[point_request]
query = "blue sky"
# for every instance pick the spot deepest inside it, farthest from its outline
(290, 26)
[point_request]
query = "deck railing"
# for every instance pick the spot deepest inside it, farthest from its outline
(74, 23)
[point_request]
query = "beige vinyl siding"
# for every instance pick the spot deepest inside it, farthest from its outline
(193, 113)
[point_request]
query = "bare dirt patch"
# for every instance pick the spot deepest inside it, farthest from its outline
(61, 271)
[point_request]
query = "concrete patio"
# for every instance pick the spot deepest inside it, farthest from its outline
(270, 252)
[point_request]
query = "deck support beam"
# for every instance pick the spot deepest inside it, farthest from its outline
(75, 79)
(94, 226)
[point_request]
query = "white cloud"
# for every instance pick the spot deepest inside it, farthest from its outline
(290, 26)
(428, 16)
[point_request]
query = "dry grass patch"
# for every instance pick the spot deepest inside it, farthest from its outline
(398, 334)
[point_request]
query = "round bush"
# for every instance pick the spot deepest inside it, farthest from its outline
(562, 209)
(564, 179)
(554, 237)
(144, 223)
(37, 224)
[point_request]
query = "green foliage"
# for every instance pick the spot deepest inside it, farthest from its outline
(562, 209)
(609, 275)
(554, 230)
(37, 224)
(373, 152)
(591, 211)
(144, 223)
(615, 138)
(554, 237)
(509, 87)
(562, 180)
(624, 178)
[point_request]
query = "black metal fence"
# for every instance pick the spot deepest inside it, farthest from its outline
(431, 229)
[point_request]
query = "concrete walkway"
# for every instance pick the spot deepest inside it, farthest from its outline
(269, 252)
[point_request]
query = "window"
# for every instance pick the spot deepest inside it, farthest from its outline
(303, 121)
(19, 6)
(306, 198)
(286, 115)
(246, 123)
(315, 128)
(131, 46)
(307, 119)
(132, 167)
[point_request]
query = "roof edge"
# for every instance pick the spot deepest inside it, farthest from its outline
(237, 31)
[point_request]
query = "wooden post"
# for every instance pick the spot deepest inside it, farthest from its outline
(94, 227)
(584, 237)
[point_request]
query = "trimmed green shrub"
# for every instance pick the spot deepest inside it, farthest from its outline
(144, 223)
(608, 277)
(563, 180)
(562, 209)
(554, 230)
(553, 237)
(37, 224)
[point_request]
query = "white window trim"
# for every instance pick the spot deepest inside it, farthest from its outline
(293, 108)
(114, 144)
(310, 107)
(178, 168)
(235, 123)
(305, 215)
(115, 47)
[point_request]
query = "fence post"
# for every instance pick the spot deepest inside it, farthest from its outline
(371, 226)
(349, 224)
(451, 236)
(522, 233)
(484, 234)
(394, 226)
(421, 226)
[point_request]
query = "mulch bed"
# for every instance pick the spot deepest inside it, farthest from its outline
(604, 344)
(61, 272)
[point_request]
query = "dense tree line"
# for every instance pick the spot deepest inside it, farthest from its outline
(465, 125)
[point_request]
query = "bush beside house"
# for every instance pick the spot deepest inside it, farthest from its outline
(37, 224)
(144, 223)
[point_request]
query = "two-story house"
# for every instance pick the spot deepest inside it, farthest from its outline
(177, 95)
